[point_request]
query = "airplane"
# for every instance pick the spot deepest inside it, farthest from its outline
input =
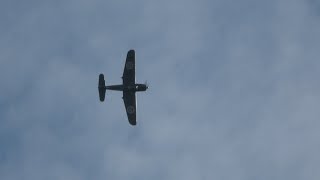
(129, 87)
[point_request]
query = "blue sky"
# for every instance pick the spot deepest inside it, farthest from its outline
(234, 90)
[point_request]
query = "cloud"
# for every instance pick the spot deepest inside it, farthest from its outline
(233, 90)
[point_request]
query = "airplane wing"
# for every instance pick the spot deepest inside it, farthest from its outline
(129, 72)
(129, 99)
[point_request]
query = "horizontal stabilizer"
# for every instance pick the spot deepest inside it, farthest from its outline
(102, 87)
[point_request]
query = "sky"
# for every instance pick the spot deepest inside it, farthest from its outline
(233, 90)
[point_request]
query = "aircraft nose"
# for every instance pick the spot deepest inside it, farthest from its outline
(146, 85)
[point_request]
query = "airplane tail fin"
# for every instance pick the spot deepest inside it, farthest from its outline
(102, 87)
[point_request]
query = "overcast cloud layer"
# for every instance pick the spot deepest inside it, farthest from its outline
(234, 90)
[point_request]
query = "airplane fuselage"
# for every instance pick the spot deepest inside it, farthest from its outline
(133, 87)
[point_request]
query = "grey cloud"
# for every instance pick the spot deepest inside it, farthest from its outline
(234, 91)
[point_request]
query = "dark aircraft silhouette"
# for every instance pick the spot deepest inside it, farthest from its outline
(128, 87)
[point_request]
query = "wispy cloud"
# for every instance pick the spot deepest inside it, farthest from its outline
(234, 90)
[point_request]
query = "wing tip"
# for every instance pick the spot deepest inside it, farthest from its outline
(133, 123)
(131, 53)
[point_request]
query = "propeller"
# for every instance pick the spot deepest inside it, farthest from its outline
(146, 83)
